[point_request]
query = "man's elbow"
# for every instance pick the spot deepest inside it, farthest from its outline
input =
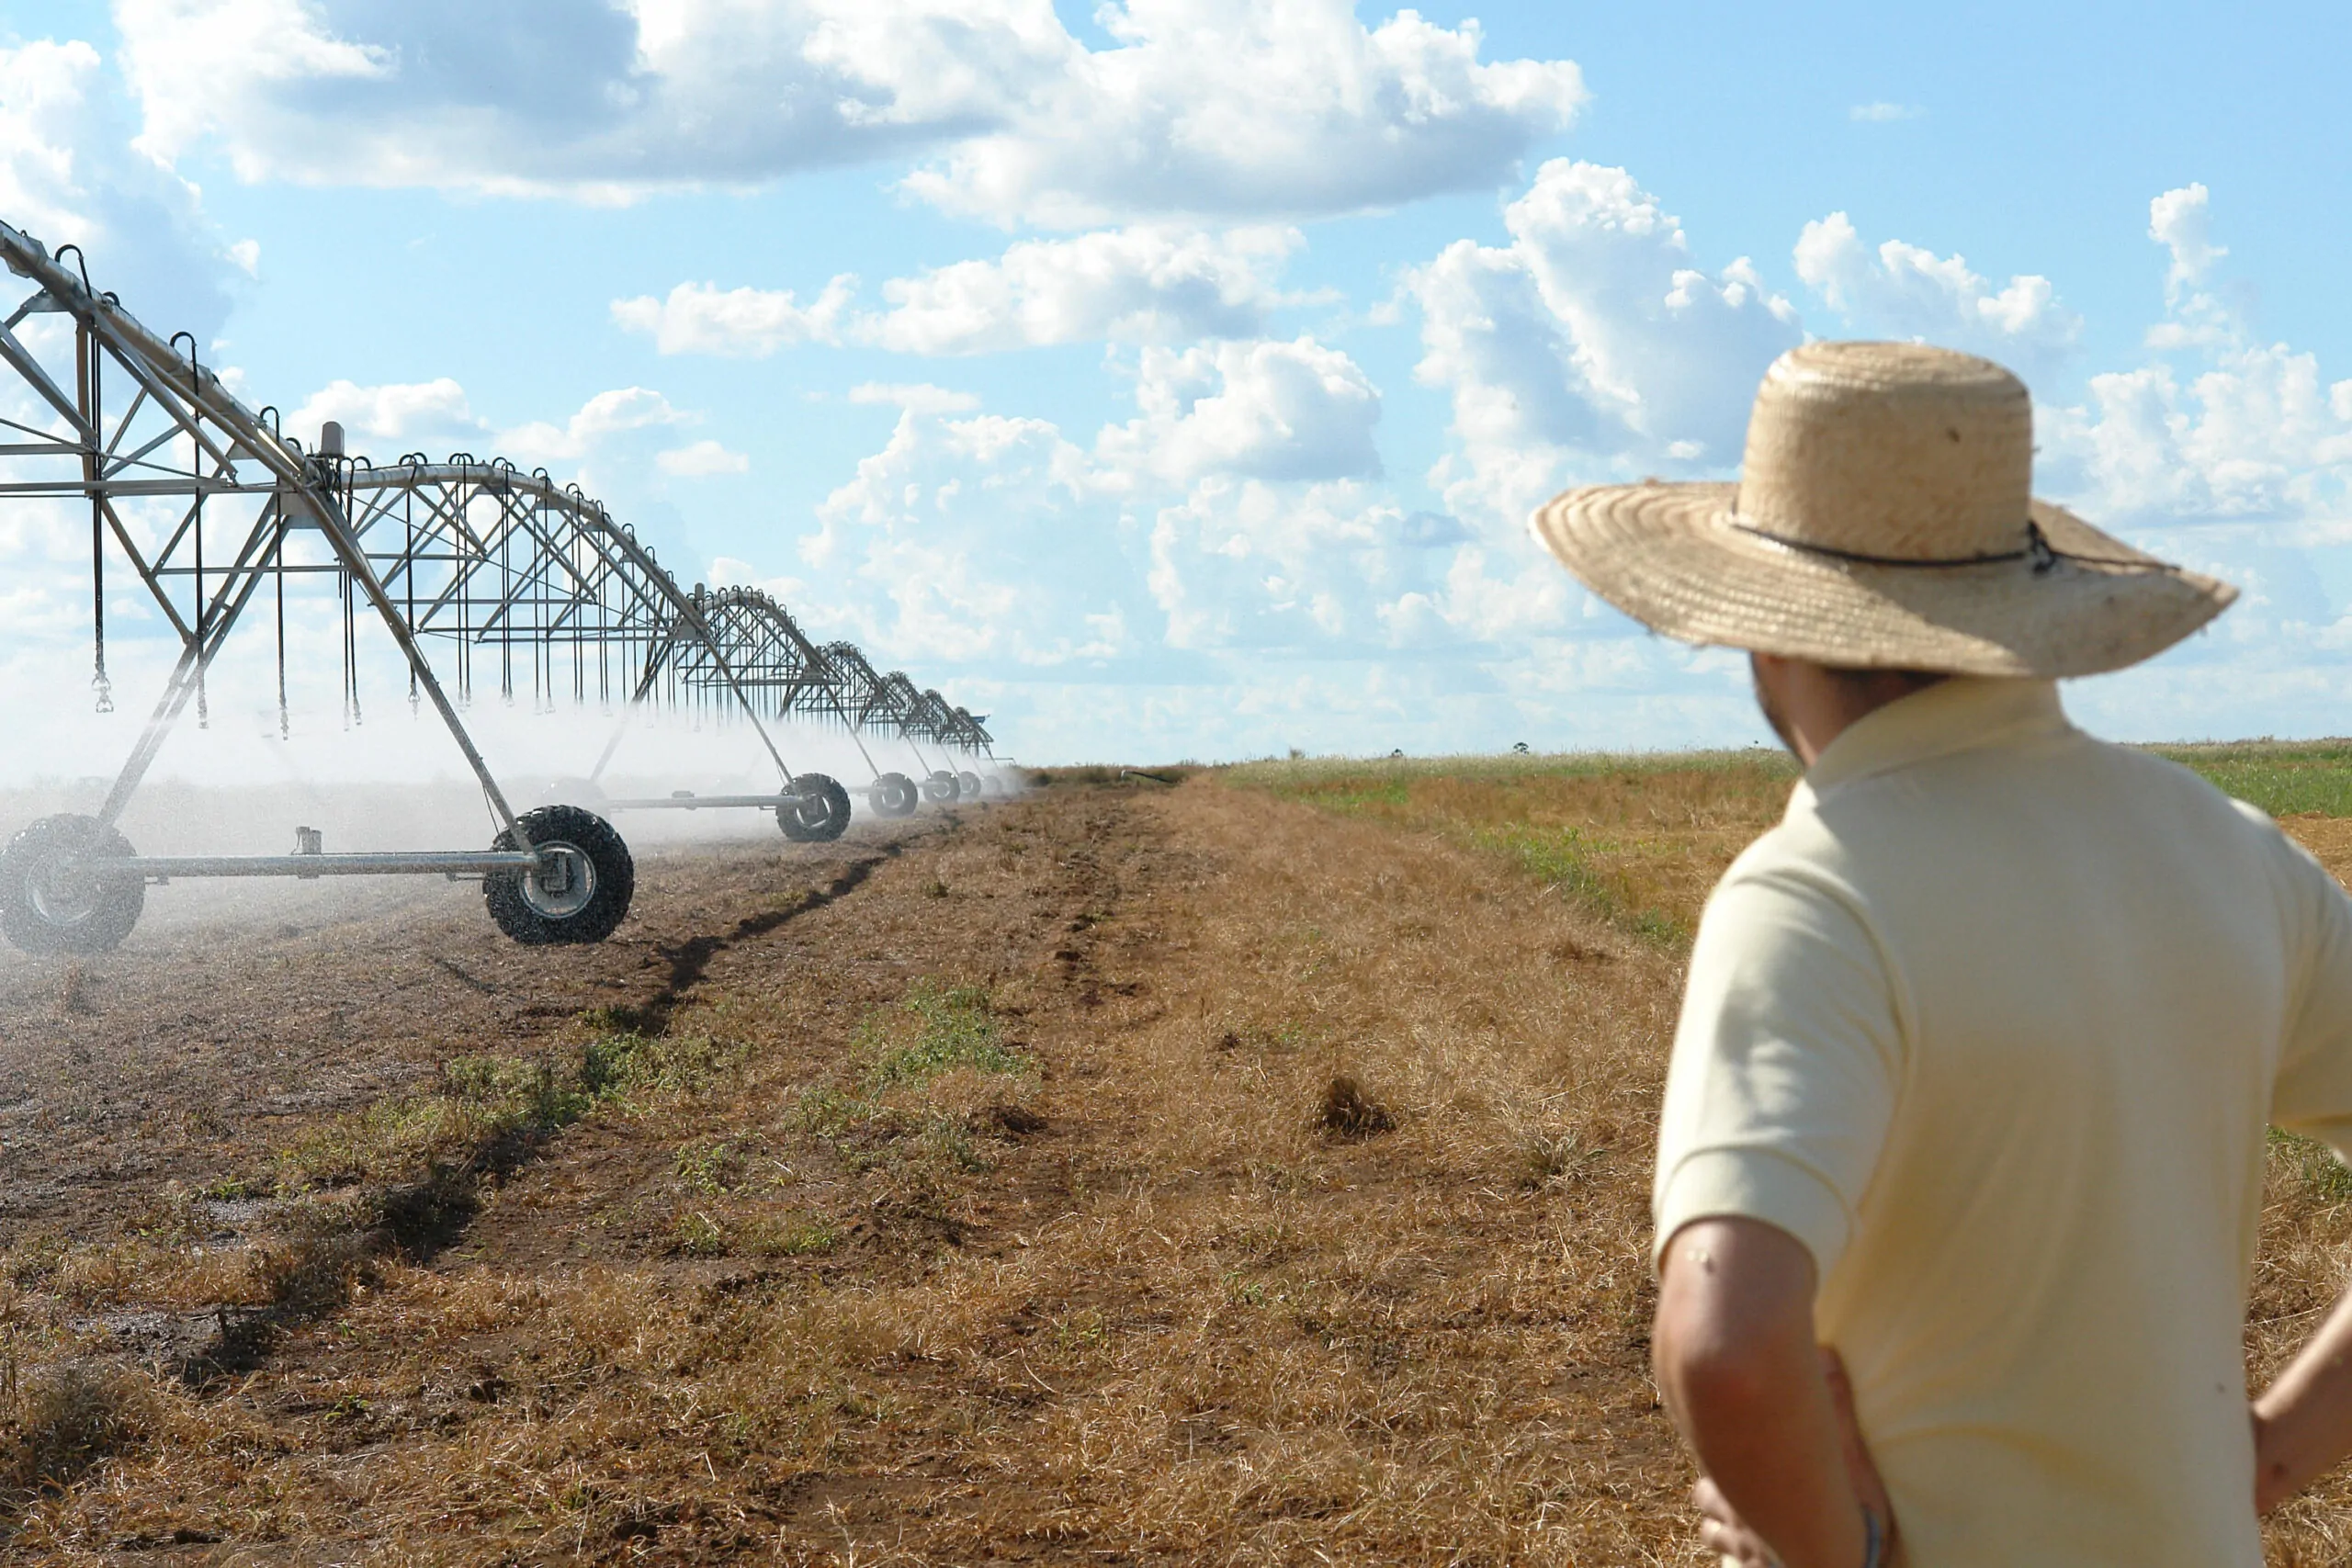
(1716, 1372)
(1735, 1320)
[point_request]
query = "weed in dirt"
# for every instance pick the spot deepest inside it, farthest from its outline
(2326, 1178)
(709, 1165)
(769, 1236)
(1559, 1161)
(693, 1233)
(926, 1075)
(936, 1028)
(487, 1105)
(632, 1068)
(34, 1258)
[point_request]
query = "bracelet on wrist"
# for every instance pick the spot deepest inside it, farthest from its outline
(1874, 1540)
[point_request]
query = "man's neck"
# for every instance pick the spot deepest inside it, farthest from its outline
(1811, 705)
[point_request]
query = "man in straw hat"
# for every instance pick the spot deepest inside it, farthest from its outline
(1979, 1044)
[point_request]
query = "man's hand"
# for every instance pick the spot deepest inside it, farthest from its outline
(2302, 1423)
(1788, 1477)
(1725, 1533)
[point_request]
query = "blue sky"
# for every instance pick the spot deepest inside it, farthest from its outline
(1174, 378)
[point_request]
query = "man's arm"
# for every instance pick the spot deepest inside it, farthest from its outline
(1734, 1352)
(2302, 1423)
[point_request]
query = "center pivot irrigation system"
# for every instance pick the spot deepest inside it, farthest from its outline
(512, 576)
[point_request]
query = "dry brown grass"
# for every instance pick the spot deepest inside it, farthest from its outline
(1639, 841)
(1175, 1176)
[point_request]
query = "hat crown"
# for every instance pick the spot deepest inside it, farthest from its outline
(1890, 449)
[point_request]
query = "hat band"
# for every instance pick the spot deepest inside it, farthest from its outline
(2038, 549)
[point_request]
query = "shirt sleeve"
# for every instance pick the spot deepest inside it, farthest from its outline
(2312, 1091)
(1785, 1066)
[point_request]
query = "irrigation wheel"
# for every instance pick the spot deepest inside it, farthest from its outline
(578, 892)
(894, 794)
(816, 811)
(50, 903)
(941, 788)
(968, 785)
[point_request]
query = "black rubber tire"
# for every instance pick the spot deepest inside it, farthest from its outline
(612, 880)
(968, 785)
(817, 812)
(941, 788)
(41, 912)
(894, 794)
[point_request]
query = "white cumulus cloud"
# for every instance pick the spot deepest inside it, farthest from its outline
(921, 396)
(623, 410)
(2219, 425)
(742, 323)
(1252, 107)
(1148, 283)
(701, 460)
(2181, 222)
(1242, 563)
(1241, 109)
(930, 550)
(1269, 410)
(2231, 453)
(408, 415)
(1907, 291)
(1591, 346)
(578, 98)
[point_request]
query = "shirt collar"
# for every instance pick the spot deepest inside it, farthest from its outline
(1954, 714)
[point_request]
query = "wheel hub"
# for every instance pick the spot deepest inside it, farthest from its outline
(64, 894)
(563, 883)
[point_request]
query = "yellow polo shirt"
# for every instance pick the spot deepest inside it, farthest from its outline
(1992, 1022)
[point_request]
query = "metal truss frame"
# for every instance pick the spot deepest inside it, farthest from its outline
(516, 576)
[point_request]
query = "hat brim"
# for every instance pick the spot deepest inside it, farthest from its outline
(1672, 556)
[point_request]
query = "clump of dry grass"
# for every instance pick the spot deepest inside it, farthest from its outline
(1349, 1112)
(73, 991)
(62, 1420)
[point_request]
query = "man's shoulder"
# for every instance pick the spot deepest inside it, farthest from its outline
(2170, 795)
(1798, 855)
(2069, 772)
(1983, 807)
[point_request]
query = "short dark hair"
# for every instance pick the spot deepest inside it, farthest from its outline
(1912, 679)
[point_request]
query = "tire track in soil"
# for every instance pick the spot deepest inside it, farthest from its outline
(91, 1196)
(689, 960)
(856, 960)
(194, 1053)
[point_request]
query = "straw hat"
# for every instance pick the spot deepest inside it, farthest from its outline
(1885, 518)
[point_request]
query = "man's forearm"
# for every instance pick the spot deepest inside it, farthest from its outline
(2302, 1423)
(1741, 1374)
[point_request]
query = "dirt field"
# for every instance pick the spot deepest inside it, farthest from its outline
(1210, 1174)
